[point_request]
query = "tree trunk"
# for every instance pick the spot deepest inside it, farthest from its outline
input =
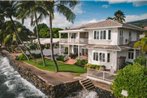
(51, 43)
(37, 33)
(15, 31)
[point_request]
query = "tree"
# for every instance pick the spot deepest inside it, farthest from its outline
(109, 18)
(119, 16)
(34, 10)
(43, 30)
(133, 79)
(142, 44)
(63, 7)
(8, 10)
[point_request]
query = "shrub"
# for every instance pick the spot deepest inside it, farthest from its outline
(33, 46)
(60, 58)
(36, 55)
(141, 60)
(21, 57)
(133, 78)
(92, 66)
(81, 62)
(73, 56)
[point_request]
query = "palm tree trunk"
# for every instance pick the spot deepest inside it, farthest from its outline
(15, 31)
(51, 43)
(37, 33)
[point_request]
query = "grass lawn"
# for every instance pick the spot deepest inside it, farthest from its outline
(62, 67)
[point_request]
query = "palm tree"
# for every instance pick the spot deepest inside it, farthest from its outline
(109, 18)
(63, 7)
(8, 10)
(32, 9)
(142, 44)
(119, 16)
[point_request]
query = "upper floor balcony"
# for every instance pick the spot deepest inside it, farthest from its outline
(73, 38)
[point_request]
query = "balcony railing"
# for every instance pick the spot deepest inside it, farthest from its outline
(75, 41)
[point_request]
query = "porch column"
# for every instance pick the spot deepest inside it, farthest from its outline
(78, 51)
(68, 43)
(78, 37)
(68, 50)
(134, 53)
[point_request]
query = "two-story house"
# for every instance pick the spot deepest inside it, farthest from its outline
(107, 43)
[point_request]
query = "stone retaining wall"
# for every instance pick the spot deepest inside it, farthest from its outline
(52, 91)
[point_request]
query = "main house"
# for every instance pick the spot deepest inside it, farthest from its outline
(107, 43)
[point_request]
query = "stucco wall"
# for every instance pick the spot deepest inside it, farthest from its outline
(109, 65)
(134, 35)
(113, 41)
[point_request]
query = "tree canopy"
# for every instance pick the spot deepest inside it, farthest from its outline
(133, 79)
(43, 31)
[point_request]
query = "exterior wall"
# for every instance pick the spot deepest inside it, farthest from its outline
(113, 58)
(126, 39)
(112, 41)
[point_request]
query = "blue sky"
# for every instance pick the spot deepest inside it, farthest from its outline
(101, 10)
(98, 10)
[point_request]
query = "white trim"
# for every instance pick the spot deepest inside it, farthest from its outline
(72, 31)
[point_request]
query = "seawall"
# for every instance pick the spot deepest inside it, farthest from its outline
(52, 91)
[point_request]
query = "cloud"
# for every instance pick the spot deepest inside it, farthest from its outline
(135, 17)
(78, 9)
(86, 21)
(134, 2)
(105, 6)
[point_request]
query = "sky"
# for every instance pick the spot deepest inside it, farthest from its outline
(88, 11)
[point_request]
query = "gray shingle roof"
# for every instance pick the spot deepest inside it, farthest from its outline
(106, 23)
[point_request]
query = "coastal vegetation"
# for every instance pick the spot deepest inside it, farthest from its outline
(133, 80)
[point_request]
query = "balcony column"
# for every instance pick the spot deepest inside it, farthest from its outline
(78, 52)
(78, 37)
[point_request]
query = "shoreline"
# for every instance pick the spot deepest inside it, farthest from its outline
(60, 88)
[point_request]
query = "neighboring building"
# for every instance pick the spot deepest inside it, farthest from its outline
(45, 43)
(107, 43)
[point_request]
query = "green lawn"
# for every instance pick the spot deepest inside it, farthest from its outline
(62, 67)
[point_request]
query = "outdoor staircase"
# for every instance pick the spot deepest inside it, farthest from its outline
(70, 61)
(87, 84)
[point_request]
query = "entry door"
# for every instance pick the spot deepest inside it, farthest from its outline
(75, 49)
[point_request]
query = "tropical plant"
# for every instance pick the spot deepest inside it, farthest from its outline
(142, 44)
(8, 10)
(63, 7)
(142, 60)
(119, 16)
(133, 79)
(34, 10)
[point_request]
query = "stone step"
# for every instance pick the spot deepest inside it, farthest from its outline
(87, 84)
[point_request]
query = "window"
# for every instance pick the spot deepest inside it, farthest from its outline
(130, 36)
(102, 57)
(73, 35)
(100, 34)
(109, 34)
(131, 54)
(108, 57)
(95, 56)
(94, 34)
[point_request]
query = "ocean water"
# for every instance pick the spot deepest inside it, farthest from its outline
(12, 85)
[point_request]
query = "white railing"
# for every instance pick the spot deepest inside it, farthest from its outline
(103, 76)
(71, 40)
